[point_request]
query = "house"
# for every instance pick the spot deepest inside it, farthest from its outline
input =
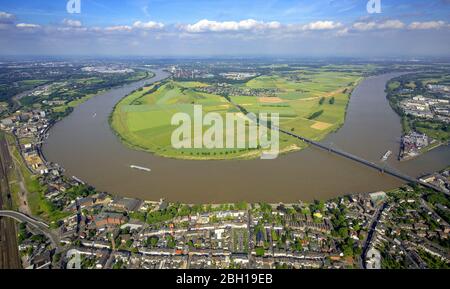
(7, 122)
(42, 261)
(107, 219)
(133, 225)
(125, 204)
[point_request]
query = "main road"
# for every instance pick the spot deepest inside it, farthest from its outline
(33, 222)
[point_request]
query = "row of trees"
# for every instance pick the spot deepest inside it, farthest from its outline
(331, 101)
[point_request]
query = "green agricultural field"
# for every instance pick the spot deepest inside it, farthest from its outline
(298, 100)
(143, 118)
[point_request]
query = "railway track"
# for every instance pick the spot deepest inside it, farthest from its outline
(9, 254)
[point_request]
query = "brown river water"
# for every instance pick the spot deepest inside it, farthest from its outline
(87, 148)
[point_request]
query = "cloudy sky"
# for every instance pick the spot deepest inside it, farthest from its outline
(226, 27)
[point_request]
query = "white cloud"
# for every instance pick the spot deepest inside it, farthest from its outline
(397, 24)
(72, 29)
(364, 26)
(72, 23)
(388, 24)
(151, 25)
(118, 28)
(6, 17)
(206, 25)
(342, 32)
(273, 25)
(391, 24)
(427, 25)
(322, 25)
(27, 25)
(136, 25)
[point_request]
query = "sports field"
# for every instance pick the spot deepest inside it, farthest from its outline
(311, 103)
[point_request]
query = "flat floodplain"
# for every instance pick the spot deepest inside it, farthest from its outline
(311, 103)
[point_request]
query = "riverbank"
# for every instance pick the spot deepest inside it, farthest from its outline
(422, 151)
(28, 188)
(413, 98)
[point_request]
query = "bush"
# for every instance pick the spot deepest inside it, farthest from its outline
(315, 115)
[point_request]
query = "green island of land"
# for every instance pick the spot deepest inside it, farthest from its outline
(310, 102)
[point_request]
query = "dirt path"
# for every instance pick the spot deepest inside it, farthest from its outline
(325, 95)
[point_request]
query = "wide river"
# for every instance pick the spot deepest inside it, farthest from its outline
(88, 149)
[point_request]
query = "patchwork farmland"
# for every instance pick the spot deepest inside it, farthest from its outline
(311, 103)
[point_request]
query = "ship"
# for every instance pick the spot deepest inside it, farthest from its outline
(78, 180)
(140, 168)
(386, 156)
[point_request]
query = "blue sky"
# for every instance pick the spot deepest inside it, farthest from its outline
(109, 12)
(210, 27)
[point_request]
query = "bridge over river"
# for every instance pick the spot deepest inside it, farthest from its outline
(342, 153)
(382, 169)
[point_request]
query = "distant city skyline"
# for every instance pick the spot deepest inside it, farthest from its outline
(226, 28)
